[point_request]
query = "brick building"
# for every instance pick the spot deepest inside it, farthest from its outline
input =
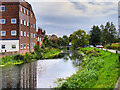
(39, 36)
(17, 27)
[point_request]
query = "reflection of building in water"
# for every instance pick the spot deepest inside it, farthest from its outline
(28, 76)
(20, 77)
(10, 77)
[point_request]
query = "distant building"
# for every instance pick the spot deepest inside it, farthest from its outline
(39, 36)
(17, 27)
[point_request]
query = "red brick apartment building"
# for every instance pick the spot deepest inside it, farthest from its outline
(17, 27)
(39, 36)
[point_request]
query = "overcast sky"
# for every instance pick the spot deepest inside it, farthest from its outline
(65, 17)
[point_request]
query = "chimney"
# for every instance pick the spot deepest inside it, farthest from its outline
(39, 30)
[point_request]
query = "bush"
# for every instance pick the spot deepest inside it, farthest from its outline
(113, 46)
(18, 57)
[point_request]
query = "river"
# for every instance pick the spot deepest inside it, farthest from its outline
(40, 73)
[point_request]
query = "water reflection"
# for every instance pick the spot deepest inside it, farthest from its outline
(23, 76)
(40, 74)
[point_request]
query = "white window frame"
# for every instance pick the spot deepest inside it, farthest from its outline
(2, 7)
(34, 35)
(27, 46)
(13, 19)
(22, 46)
(15, 46)
(1, 21)
(31, 35)
(24, 22)
(21, 8)
(1, 33)
(31, 15)
(27, 23)
(13, 34)
(21, 33)
(21, 21)
(31, 25)
(25, 34)
(24, 10)
(34, 25)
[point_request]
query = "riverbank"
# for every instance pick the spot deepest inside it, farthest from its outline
(99, 69)
(28, 57)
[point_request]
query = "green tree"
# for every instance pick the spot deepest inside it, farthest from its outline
(65, 40)
(79, 39)
(109, 33)
(95, 35)
(60, 41)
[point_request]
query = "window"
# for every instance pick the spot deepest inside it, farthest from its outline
(31, 15)
(24, 22)
(27, 23)
(27, 34)
(3, 46)
(13, 33)
(24, 45)
(21, 21)
(34, 25)
(21, 46)
(32, 44)
(40, 39)
(34, 35)
(21, 9)
(28, 46)
(21, 33)
(31, 25)
(13, 46)
(2, 21)
(24, 10)
(31, 35)
(3, 33)
(13, 21)
(2, 8)
(24, 33)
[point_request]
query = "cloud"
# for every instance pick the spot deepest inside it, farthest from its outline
(66, 17)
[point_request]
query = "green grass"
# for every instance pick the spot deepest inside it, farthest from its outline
(51, 53)
(28, 57)
(100, 69)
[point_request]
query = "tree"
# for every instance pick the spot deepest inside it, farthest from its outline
(109, 33)
(79, 39)
(95, 35)
(60, 41)
(65, 40)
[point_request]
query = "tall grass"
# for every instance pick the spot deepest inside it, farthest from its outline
(100, 69)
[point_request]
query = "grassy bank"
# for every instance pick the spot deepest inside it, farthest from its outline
(28, 57)
(100, 69)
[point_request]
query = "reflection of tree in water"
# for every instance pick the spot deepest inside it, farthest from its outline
(76, 58)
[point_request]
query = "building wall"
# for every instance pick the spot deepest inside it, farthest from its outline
(8, 45)
(13, 10)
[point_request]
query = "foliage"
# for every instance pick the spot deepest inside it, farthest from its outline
(97, 72)
(115, 46)
(79, 39)
(95, 35)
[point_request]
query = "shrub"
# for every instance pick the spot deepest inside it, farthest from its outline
(18, 57)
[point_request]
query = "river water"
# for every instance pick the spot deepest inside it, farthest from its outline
(41, 73)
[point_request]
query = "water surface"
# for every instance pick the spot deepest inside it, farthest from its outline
(41, 73)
